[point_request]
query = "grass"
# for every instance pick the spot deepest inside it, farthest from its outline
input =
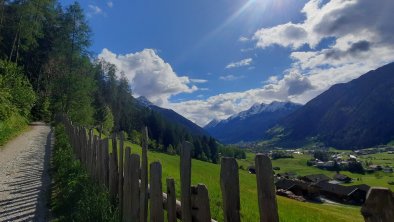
(74, 196)
(12, 127)
(289, 210)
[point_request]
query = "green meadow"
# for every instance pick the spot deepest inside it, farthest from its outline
(289, 210)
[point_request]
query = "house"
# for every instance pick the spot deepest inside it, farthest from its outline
(387, 169)
(288, 175)
(345, 194)
(342, 178)
(315, 178)
(375, 167)
(298, 187)
(252, 170)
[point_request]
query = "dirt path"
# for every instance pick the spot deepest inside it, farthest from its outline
(24, 177)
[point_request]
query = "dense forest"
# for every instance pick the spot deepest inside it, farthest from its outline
(46, 68)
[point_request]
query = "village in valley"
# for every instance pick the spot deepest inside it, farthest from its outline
(330, 176)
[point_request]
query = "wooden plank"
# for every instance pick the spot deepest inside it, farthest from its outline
(379, 205)
(90, 152)
(144, 177)
(185, 172)
(156, 193)
(171, 200)
(135, 187)
(105, 163)
(121, 170)
(99, 163)
(200, 204)
(131, 199)
(95, 158)
(113, 170)
(229, 183)
(268, 207)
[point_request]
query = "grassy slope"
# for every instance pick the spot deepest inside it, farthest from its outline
(289, 210)
(12, 127)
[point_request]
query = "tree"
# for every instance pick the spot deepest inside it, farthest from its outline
(108, 120)
(16, 93)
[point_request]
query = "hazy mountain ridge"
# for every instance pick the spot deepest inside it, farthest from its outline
(251, 124)
(173, 116)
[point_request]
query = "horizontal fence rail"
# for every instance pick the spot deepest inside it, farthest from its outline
(125, 175)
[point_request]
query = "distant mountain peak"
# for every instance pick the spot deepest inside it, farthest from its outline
(250, 125)
(211, 124)
(259, 108)
(144, 101)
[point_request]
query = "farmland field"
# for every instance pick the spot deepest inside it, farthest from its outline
(289, 210)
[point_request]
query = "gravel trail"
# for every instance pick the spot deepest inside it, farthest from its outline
(24, 175)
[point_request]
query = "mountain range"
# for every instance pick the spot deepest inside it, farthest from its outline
(357, 114)
(251, 124)
(172, 116)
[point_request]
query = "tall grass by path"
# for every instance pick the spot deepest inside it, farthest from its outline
(12, 127)
(75, 197)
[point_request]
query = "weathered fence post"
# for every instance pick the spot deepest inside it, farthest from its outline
(113, 169)
(171, 200)
(185, 168)
(268, 207)
(156, 193)
(90, 153)
(105, 163)
(144, 177)
(379, 205)
(131, 199)
(201, 211)
(121, 180)
(95, 158)
(229, 183)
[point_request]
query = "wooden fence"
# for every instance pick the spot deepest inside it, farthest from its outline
(127, 183)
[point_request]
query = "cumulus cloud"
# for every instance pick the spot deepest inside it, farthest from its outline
(149, 75)
(94, 10)
(110, 4)
(362, 33)
(198, 80)
(243, 62)
(243, 39)
(231, 77)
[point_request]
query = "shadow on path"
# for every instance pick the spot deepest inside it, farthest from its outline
(24, 191)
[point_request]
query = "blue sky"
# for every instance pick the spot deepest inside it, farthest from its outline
(211, 59)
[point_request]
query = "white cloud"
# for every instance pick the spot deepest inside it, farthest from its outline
(243, 62)
(243, 39)
(362, 32)
(95, 10)
(110, 4)
(198, 80)
(149, 75)
(231, 77)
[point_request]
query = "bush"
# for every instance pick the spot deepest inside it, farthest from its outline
(280, 155)
(16, 92)
(75, 196)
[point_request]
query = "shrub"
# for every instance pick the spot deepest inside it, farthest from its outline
(16, 92)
